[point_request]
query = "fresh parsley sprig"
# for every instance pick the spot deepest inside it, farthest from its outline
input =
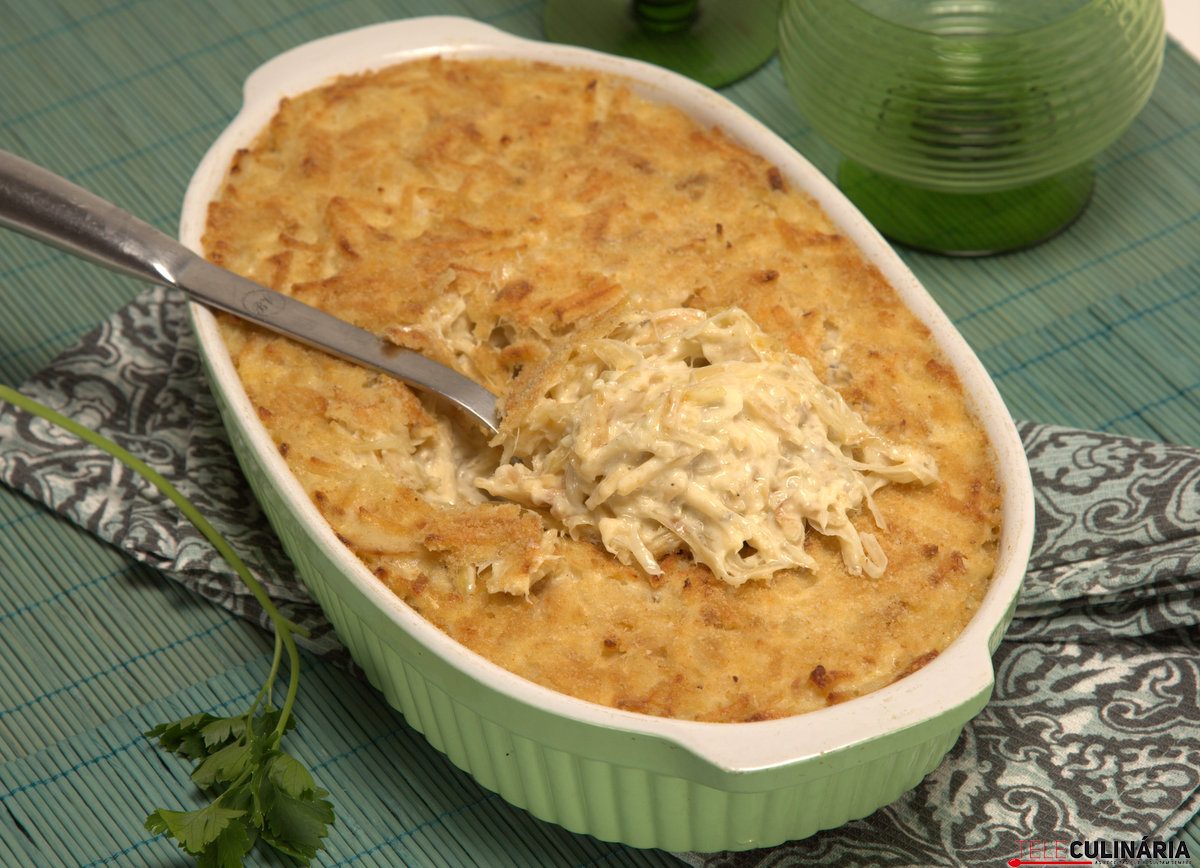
(259, 791)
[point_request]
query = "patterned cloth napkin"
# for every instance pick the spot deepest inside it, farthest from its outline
(1093, 732)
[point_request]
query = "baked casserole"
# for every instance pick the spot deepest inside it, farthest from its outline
(552, 234)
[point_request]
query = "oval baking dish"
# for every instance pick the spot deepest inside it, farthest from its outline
(621, 776)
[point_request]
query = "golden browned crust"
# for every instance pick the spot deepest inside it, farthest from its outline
(479, 211)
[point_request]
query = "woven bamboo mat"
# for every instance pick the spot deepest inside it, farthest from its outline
(1094, 329)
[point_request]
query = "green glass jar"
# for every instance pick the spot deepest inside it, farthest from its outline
(970, 126)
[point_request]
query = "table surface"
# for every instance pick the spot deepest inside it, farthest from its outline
(1094, 329)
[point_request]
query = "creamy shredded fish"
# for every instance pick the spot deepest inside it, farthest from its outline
(679, 430)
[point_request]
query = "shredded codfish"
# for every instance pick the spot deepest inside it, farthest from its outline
(680, 430)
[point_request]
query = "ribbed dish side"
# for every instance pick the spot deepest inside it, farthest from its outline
(614, 802)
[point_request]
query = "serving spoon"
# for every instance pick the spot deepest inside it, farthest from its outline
(51, 209)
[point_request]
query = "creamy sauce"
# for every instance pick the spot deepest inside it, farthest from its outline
(680, 430)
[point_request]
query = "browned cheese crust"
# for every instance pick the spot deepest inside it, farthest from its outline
(541, 197)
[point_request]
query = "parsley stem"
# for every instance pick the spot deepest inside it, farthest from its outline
(284, 628)
(264, 692)
(289, 643)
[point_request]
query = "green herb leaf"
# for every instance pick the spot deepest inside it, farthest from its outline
(268, 720)
(183, 736)
(229, 848)
(168, 730)
(223, 730)
(194, 830)
(224, 766)
(296, 825)
(286, 773)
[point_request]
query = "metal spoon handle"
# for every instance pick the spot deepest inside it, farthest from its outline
(51, 209)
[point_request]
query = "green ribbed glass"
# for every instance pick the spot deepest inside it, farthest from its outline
(713, 41)
(970, 126)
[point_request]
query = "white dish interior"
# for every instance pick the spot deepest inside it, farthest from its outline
(962, 671)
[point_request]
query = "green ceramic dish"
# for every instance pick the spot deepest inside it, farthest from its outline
(621, 776)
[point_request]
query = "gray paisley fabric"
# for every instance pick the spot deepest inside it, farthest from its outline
(137, 379)
(1093, 731)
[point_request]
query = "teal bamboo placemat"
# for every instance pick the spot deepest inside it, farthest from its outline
(1093, 329)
